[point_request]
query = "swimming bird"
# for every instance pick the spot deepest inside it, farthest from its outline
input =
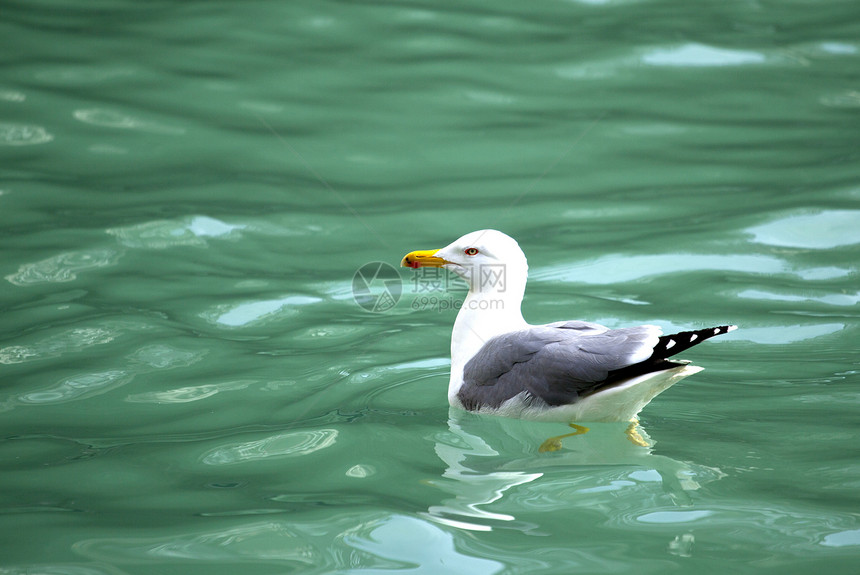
(569, 371)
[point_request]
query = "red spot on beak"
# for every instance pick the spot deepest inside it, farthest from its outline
(414, 264)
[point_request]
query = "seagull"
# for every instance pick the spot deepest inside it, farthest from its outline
(565, 371)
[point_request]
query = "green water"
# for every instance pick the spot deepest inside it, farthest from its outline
(187, 189)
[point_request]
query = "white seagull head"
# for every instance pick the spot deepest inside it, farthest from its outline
(489, 261)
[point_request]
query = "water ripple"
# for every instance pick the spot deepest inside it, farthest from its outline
(63, 267)
(360, 471)
(79, 387)
(843, 539)
(784, 334)
(121, 121)
(674, 516)
(162, 234)
(256, 311)
(60, 569)
(23, 135)
(69, 341)
(839, 48)
(292, 444)
(701, 55)
(188, 394)
(619, 268)
(264, 541)
(823, 230)
(407, 543)
(12, 96)
(843, 99)
(837, 299)
(161, 356)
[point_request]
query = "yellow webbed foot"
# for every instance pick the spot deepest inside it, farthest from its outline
(634, 436)
(554, 443)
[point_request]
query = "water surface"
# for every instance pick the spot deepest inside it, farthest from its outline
(188, 188)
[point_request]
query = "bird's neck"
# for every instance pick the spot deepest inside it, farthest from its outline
(483, 315)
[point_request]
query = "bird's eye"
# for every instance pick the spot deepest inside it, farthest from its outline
(471, 251)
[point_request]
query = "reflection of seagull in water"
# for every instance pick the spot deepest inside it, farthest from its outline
(564, 371)
(490, 458)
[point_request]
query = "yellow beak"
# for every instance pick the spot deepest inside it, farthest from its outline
(422, 259)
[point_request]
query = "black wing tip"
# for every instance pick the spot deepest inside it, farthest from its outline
(672, 344)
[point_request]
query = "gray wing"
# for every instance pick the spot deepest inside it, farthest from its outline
(557, 363)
